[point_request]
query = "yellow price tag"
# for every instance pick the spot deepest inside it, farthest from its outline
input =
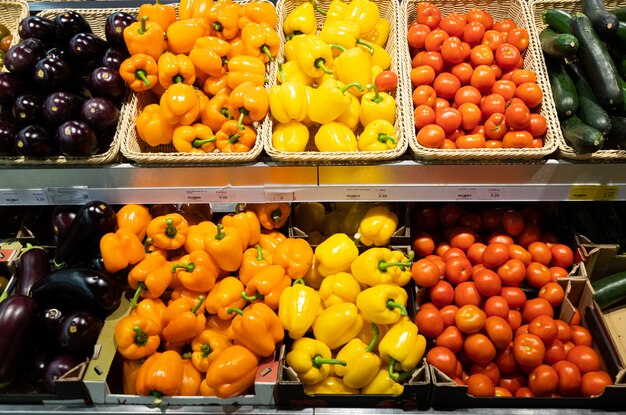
(593, 192)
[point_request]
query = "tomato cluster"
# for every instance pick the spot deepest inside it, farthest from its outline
(492, 283)
(470, 88)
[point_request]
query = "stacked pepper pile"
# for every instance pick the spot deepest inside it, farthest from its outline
(208, 67)
(336, 79)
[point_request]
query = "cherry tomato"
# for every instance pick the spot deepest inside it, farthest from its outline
(470, 319)
(443, 359)
(528, 350)
(416, 35)
(569, 377)
(386, 81)
(585, 358)
(593, 383)
(479, 348)
(442, 293)
(545, 328)
(543, 380)
(429, 322)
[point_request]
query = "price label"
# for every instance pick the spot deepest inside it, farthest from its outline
(466, 193)
(272, 196)
(10, 198)
(382, 194)
(75, 195)
(494, 193)
(358, 193)
(197, 196)
(223, 196)
(593, 192)
(39, 197)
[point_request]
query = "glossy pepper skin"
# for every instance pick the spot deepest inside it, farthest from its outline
(190, 382)
(225, 294)
(196, 138)
(134, 218)
(335, 137)
(379, 135)
(216, 112)
(299, 306)
(175, 69)
(383, 384)
(288, 101)
(183, 320)
(272, 215)
(139, 72)
(380, 33)
(267, 285)
(402, 348)
(225, 247)
(180, 104)
(232, 372)
(338, 324)
(254, 260)
(258, 328)
(314, 56)
(197, 271)
(235, 138)
(350, 117)
(209, 54)
(168, 231)
(150, 278)
(361, 364)
(219, 326)
(150, 308)
(247, 224)
(332, 385)
(205, 348)
(380, 57)
(152, 126)
(363, 12)
(182, 34)
(270, 239)
(295, 256)
(329, 101)
(292, 136)
(293, 72)
(130, 369)
(248, 102)
(339, 288)
(354, 65)
(377, 105)
(161, 374)
(342, 33)
(245, 69)
(382, 303)
(260, 40)
(258, 12)
(196, 235)
(377, 226)
(120, 249)
(381, 266)
(336, 254)
(146, 37)
(224, 19)
(137, 337)
(301, 21)
(290, 49)
(161, 14)
(310, 358)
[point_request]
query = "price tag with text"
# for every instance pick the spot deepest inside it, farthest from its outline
(593, 192)
(273, 196)
(67, 195)
(198, 196)
(10, 198)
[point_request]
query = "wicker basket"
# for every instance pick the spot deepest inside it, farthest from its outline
(135, 149)
(11, 13)
(96, 19)
(516, 10)
(390, 10)
(536, 9)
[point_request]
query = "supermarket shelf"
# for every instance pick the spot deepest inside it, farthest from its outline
(403, 180)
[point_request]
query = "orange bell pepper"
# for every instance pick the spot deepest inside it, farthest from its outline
(150, 308)
(161, 14)
(254, 260)
(210, 54)
(153, 128)
(145, 37)
(258, 12)
(186, 8)
(139, 72)
(197, 233)
(183, 320)
(295, 256)
(201, 9)
(267, 285)
(216, 84)
(248, 103)
(270, 239)
(197, 271)
(168, 231)
(137, 337)
(235, 138)
(245, 69)
(134, 218)
(190, 384)
(225, 247)
(182, 292)
(232, 372)
(130, 369)
(260, 40)
(272, 215)
(216, 113)
(258, 328)
(224, 19)
(174, 69)
(247, 223)
(182, 34)
(161, 374)
(120, 249)
(150, 278)
(225, 294)
(180, 104)
(237, 44)
(205, 348)
(219, 326)
(205, 389)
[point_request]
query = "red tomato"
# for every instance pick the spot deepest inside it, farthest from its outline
(386, 81)
(489, 369)
(538, 125)
(530, 234)
(448, 118)
(545, 328)
(504, 88)
(495, 255)
(553, 293)
(555, 352)
(536, 307)
(488, 283)
(496, 306)
(473, 32)
(565, 332)
(518, 252)
(463, 71)
(467, 94)
(453, 252)
(481, 55)
(543, 381)
(450, 214)
(462, 237)
(512, 381)
(431, 135)
(504, 25)
(475, 253)
(452, 51)
(512, 272)
(474, 140)
(466, 293)
(530, 93)
(524, 392)
(480, 385)
(499, 331)
(480, 15)
(451, 338)
(429, 322)
(540, 252)
(538, 275)
(470, 115)
(443, 359)
(506, 360)
(423, 116)
(442, 293)
(569, 377)
(515, 296)
(517, 139)
(493, 39)
(446, 85)
(585, 358)
(580, 336)
(428, 14)
(483, 78)
(517, 115)
(423, 244)
(594, 383)
(513, 222)
(470, 319)
(492, 218)
(447, 313)
(434, 40)
(495, 127)
(453, 24)
(520, 76)
(515, 319)
(432, 59)
(507, 56)
(479, 348)
(528, 350)
(562, 256)
(425, 273)
(422, 75)
(424, 95)
(416, 35)
(492, 104)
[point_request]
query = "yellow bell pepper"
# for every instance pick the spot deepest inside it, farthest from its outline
(329, 101)
(182, 34)
(380, 33)
(310, 358)
(361, 364)
(353, 216)
(292, 136)
(313, 278)
(308, 216)
(332, 385)
(382, 303)
(290, 48)
(339, 288)
(298, 307)
(402, 348)
(335, 137)
(314, 55)
(382, 266)
(247, 224)
(379, 135)
(383, 384)
(338, 324)
(380, 57)
(336, 10)
(350, 117)
(254, 260)
(288, 101)
(196, 138)
(300, 21)
(377, 105)
(226, 247)
(173, 69)
(342, 34)
(293, 72)
(367, 334)
(363, 12)
(377, 226)
(180, 104)
(336, 254)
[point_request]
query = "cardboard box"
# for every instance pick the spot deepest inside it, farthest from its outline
(103, 378)
(600, 259)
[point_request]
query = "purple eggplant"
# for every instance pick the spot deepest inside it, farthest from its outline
(7, 132)
(61, 220)
(100, 112)
(114, 27)
(34, 141)
(49, 321)
(17, 320)
(34, 368)
(68, 24)
(32, 265)
(114, 57)
(61, 106)
(76, 139)
(86, 50)
(57, 367)
(52, 73)
(38, 28)
(56, 52)
(11, 86)
(82, 241)
(27, 108)
(107, 83)
(81, 287)
(79, 331)
(22, 58)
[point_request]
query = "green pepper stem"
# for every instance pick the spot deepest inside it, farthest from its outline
(30, 247)
(276, 215)
(391, 304)
(178, 79)
(171, 230)
(157, 398)
(377, 98)
(146, 244)
(217, 26)
(299, 281)
(197, 143)
(372, 344)
(234, 310)
(259, 252)
(265, 49)
(224, 60)
(366, 44)
(318, 9)
(356, 238)
(243, 112)
(188, 355)
(233, 138)
(318, 361)
(337, 46)
(220, 232)
(4, 296)
(157, 2)
(142, 27)
(256, 296)
(350, 85)
(383, 138)
(398, 376)
(195, 308)
(321, 63)
(206, 349)
(240, 207)
(383, 265)
(224, 111)
(281, 73)
(141, 74)
(141, 338)
(140, 287)
(189, 267)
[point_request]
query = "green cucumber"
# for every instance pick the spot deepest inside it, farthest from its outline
(603, 22)
(597, 63)
(620, 33)
(563, 91)
(610, 289)
(589, 110)
(581, 137)
(617, 136)
(557, 19)
(579, 217)
(619, 58)
(558, 45)
(620, 13)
